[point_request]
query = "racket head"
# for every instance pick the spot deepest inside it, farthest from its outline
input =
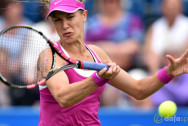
(35, 63)
(30, 57)
(21, 47)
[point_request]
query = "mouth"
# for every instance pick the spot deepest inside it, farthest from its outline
(67, 34)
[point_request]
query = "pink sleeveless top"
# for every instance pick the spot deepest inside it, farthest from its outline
(84, 113)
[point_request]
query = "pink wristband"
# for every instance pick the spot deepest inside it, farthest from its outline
(163, 76)
(99, 80)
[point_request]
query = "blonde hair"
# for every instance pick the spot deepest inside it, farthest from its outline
(47, 2)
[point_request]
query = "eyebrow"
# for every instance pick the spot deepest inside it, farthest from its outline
(57, 16)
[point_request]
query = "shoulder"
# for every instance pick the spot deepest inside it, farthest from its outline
(100, 52)
(44, 61)
(157, 25)
(47, 58)
(132, 17)
(160, 21)
(183, 19)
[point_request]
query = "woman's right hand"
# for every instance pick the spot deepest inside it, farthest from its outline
(113, 70)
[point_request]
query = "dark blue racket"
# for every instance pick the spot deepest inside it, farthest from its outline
(33, 43)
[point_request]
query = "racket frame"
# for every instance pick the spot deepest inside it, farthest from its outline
(72, 63)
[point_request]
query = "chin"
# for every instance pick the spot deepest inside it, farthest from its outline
(68, 40)
(71, 39)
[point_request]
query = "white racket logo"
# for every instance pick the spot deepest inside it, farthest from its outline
(57, 2)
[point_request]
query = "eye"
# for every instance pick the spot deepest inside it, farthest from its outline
(70, 16)
(57, 19)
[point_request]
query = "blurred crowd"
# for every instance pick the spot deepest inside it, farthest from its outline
(136, 34)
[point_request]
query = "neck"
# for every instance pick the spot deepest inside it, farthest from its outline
(171, 22)
(75, 48)
(9, 22)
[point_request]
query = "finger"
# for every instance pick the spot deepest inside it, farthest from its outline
(101, 72)
(170, 58)
(117, 69)
(110, 69)
(185, 55)
(106, 61)
(109, 64)
(114, 68)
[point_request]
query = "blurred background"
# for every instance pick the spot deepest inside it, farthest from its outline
(136, 34)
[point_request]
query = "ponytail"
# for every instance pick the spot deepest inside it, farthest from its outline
(47, 2)
(83, 1)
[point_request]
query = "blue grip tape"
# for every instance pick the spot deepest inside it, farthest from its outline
(94, 66)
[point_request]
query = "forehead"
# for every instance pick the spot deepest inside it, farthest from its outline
(59, 14)
(169, 2)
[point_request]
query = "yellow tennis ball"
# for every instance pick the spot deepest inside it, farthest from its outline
(167, 109)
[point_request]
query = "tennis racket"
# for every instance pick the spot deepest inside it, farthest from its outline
(24, 49)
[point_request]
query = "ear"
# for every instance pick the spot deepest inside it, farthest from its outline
(85, 15)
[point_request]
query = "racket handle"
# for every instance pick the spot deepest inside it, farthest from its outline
(94, 66)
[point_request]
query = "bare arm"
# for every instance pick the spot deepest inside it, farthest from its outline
(145, 87)
(67, 94)
(139, 89)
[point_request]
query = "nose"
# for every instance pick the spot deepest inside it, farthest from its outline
(65, 24)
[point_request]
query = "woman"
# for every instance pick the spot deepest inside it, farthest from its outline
(113, 27)
(168, 33)
(72, 97)
(4, 90)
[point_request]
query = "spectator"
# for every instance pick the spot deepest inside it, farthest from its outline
(120, 34)
(167, 35)
(4, 92)
(47, 28)
(170, 32)
(12, 14)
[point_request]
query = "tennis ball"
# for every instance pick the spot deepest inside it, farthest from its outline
(167, 109)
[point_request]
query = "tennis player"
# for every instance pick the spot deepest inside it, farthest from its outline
(72, 97)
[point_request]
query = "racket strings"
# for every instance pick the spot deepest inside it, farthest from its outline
(23, 47)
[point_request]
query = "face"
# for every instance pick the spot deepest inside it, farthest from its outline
(171, 8)
(109, 6)
(14, 11)
(69, 26)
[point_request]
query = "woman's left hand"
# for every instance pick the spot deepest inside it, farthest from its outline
(177, 66)
(111, 73)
